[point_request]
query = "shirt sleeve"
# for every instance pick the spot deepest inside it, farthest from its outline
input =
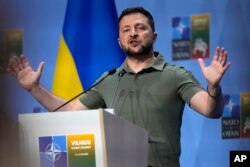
(187, 85)
(92, 98)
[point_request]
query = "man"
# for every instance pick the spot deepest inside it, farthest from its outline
(151, 93)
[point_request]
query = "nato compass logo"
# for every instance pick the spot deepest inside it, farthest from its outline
(53, 152)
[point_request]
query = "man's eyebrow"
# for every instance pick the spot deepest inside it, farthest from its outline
(126, 26)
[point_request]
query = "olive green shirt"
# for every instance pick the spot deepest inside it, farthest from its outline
(154, 99)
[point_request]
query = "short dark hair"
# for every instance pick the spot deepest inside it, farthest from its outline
(140, 10)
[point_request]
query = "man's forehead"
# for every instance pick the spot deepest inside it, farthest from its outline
(133, 18)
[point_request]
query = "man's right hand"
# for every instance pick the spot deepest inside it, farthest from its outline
(20, 69)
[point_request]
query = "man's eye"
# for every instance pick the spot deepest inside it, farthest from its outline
(125, 30)
(142, 28)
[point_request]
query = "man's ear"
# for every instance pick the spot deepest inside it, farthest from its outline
(119, 42)
(155, 36)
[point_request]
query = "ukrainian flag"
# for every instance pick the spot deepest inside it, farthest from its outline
(88, 46)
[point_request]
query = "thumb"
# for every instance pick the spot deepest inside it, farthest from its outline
(202, 63)
(40, 67)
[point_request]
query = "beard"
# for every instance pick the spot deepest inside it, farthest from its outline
(141, 53)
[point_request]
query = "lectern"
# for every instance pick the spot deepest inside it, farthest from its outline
(90, 138)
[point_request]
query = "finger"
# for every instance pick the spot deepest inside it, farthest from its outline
(14, 64)
(10, 68)
(224, 58)
(221, 55)
(226, 66)
(25, 61)
(9, 63)
(216, 54)
(20, 64)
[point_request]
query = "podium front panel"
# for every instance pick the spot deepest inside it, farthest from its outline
(73, 138)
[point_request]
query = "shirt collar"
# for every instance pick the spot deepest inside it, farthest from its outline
(157, 64)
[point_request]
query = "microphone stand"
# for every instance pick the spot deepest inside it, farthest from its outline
(117, 84)
(110, 72)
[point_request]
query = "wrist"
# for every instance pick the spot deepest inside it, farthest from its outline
(35, 89)
(214, 92)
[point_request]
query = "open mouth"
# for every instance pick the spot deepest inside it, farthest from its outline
(134, 42)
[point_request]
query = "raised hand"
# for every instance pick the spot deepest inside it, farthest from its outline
(215, 71)
(20, 69)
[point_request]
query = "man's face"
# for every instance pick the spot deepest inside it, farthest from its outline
(136, 37)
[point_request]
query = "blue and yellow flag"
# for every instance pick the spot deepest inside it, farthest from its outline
(88, 46)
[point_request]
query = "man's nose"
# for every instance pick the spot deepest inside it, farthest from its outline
(134, 32)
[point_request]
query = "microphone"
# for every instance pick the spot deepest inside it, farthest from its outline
(110, 72)
(120, 74)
